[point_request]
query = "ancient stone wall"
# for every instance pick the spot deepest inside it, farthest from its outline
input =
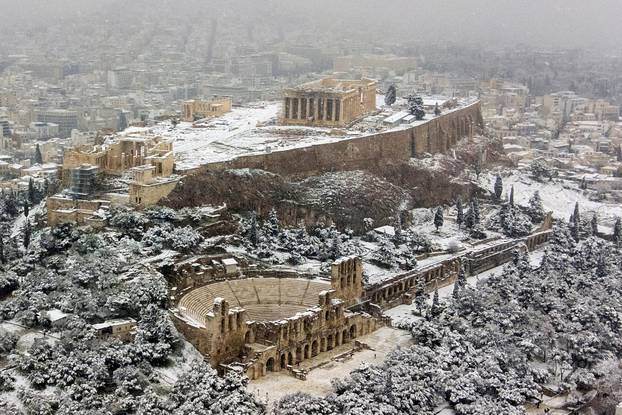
(364, 153)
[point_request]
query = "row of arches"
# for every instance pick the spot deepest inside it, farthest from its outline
(311, 349)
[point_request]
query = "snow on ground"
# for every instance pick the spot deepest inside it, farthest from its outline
(276, 385)
(557, 196)
(243, 131)
(181, 364)
(20, 221)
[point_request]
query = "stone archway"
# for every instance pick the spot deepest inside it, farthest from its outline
(331, 342)
(353, 331)
(290, 359)
(283, 361)
(314, 348)
(307, 355)
(270, 365)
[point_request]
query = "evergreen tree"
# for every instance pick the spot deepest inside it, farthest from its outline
(435, 304)
(437, 110)
(38, 155)
(2, 258)
(476, 216)
(415, 107)
(535, 208)
(617, 231)
(512, 196)
(575, 224)
(46, 187)
(26, 209)
(391, 96)
(253, 233)
(469, 220)
(601, 266)
(397, 226)
(273, 223)
(336, 248)
(498, 188)
(460, 213)
(462, 279)
(421, 296)
(438, 218)
(31, 191)
(594, 225)
(27, 232)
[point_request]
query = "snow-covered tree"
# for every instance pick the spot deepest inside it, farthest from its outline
(437, 110)
(391, 95)
(253, 232)
(273, 225)
(539, 170)
(38, 155)
(594, 224)
(535, 209)
(415, 107)
(26, 232)
(617, 231)
(438, 218)
(575, 223)
(498, 187)
(459, 213)
(435, 309)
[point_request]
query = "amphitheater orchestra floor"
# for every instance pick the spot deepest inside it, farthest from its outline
(278, 384)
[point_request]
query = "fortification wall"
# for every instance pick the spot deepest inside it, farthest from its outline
(362, 153)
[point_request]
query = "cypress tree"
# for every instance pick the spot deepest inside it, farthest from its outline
(435, 304)
(498, 188)
(253, 234)
(26, 209)
(575, 225)
(476, 216)
(460, 213)
(594, 224)
(27, 232)
(617, 231)
(38, 155)
(391, 95)
(31, 191)
(438, 218)
(2, 258)
(512, 196)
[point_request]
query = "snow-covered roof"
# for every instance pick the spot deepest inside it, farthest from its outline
(55, 315)
(229, 261)
(113, 323)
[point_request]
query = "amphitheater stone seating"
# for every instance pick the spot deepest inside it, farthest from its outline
(264, 299)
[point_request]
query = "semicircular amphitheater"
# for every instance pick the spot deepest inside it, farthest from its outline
(263, 299)
(272, 324)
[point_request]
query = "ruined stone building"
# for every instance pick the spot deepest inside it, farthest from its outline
(124, 153)
(271, 324)
(329, 102)
(195, 109)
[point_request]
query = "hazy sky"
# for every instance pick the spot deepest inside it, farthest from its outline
(564, 23)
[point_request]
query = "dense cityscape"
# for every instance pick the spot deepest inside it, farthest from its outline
(291, 208)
